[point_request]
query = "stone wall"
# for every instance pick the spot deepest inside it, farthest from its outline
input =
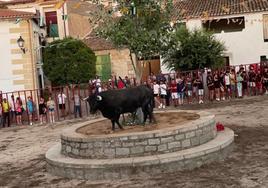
(147, 143)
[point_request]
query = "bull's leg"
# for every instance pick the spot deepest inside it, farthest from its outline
(113, 124)
(119, 125)
(145, 114)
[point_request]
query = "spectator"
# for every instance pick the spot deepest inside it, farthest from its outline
(252, 81)
(233, 82)
(77, 104)
(180, 90)
(61, 101)
(160, 77)
(265, 80)
(5, 112)
(174, 94)
(210, 84)
(222, 90)
(227, 82)
(163, 94)
(19, 110)
(12, 109)
(156, 90)
(51, 109)
(42, 110)
(195, 87)
(1, 112)
(244, 83)
(30, 109)
(259, 83)
(217, 85)
(239, 80)
(189, 88)
(200, 87)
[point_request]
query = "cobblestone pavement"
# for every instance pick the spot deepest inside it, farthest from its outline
(22, 150)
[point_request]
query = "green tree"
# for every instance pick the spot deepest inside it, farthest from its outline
(140, 28)
(69, 61)
(188, 50)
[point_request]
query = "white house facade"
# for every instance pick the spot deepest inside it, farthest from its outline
(242, 27)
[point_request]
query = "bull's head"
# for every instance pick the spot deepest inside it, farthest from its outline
(94, 101)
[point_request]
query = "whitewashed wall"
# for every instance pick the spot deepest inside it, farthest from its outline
(6, 67)
(244, 47)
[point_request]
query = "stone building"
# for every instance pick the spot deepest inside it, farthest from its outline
(20, 38)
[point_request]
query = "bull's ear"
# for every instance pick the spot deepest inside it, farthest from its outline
(99, 98)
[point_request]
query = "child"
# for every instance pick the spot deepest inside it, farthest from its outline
(51, 109)
(239, 80)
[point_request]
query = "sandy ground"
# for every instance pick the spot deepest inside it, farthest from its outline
(163, 121)
(22, 151)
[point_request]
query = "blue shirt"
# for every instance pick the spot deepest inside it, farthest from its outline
(30, 106)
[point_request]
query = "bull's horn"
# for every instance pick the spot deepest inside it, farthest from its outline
(99, 98)
(85, 98)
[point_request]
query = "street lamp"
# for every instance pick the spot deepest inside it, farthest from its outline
(20, 42)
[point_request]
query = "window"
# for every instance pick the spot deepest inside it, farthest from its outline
(265, 27)
(227, 25)
(52, 24)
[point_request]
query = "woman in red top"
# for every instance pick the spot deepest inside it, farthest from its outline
(18, 110)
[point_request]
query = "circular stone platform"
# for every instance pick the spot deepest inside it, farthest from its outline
(183, 146)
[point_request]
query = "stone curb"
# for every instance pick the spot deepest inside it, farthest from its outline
(95, 169)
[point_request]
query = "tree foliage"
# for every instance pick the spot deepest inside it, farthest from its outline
(69, 61)
(140, 27)
(188, 50)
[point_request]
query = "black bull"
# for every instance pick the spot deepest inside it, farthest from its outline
(113, 103)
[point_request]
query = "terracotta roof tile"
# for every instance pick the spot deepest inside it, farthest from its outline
(10, 14)
(15, 2)
(209, 8)
(97, 43)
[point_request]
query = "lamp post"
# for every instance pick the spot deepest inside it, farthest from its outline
(20, 42)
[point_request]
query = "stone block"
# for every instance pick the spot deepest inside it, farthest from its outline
(167, 139)
(198, 132)
(122, 151)
(190, 134)
(84, 145)
(186, 143)
(155, 141)
(162, 147)
(174, 145)
(98, 144)
(109, 152)
(150, 148)
(195, 141)
(136, 150)
(141, 143)
(68, 149)
(128, 144)
(180, 137)
(75, 151)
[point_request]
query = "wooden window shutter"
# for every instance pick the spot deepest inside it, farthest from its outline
(265, 27)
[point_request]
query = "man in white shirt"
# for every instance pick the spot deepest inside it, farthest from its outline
(61, 101)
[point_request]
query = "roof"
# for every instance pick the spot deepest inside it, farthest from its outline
(11, 2)
(209, 8)
(9, 14)
(97, 43)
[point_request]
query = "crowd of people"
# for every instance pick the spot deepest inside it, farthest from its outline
(12, 110)
(168, 89)
(207, 84)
